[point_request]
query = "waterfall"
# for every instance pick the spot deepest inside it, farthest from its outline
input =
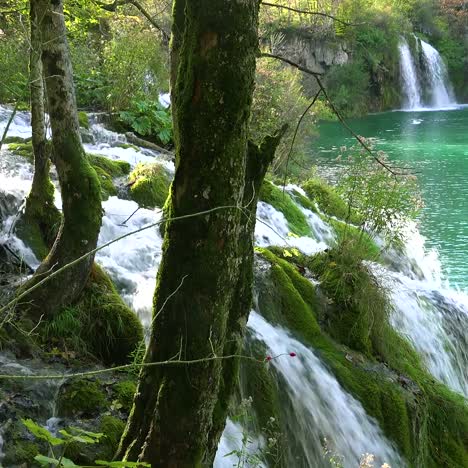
(410, 81)
(439, 83)
(317, 407)
(434, 82)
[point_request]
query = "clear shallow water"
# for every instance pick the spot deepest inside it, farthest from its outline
(435, 144)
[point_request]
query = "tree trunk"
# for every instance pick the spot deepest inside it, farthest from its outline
(80, 189)
(39, 223)
(179, 411)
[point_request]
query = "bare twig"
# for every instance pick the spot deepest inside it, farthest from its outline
(10, 120)
(295, 134)
(306, 12)
(14, 301)
(290, 62)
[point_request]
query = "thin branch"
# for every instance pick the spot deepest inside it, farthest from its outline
(305, 12)
(337, 113)
(10, 120)
(289, 62)
(295, 134)
(168, 362)
(14, 301)
(354, 134)
(112, 7)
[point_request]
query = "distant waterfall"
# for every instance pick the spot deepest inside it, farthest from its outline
(440, 89)
(411, 87)
(430, 79)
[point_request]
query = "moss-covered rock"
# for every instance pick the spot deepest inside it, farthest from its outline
(23, 149)
(81, 397)
(99, 324)
(83, 120)
(282, 201)
(115, 168)
(108, 188)
(149, 185)
(124, 392)
(112, 428)
(329, 201)
(21, 453)
(427, 421)
(15, 139)
(107, 170)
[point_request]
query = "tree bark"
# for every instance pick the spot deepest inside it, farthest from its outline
(40, 217)
(80, 189)
(179, 411)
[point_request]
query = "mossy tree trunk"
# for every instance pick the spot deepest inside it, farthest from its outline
(39, 223)
(79, 184)
(203, 294)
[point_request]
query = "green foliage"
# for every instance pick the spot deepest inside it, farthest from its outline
(279, 99)
(149, 118)
(112, 431)
(386, 201)
(13, 66)
(280, 200)
(135, 64)
(348, 88)
(149, 185)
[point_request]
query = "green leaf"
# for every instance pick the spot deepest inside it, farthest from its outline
(41, 433)
(46, 461)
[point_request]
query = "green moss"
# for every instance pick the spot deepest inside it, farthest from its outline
(281, 201)
(112, 428)
(428, 422)
(38, 225)
(23, 149)
(107, 185)
(106, 170)
(125, 391)
(21, 453)
(329, 201)
(360, 241)
(83, 120)
(127, 146)
(15, 139)
(304, 201)
(83, 396)
(100, 323)
(110, 166)
(149, 185)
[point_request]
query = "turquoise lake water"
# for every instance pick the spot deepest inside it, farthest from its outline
(434, 144)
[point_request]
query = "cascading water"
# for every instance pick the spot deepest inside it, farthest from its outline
(439, 83)
(430, 314)
(317, 407)
(432, 81)
(409, 75)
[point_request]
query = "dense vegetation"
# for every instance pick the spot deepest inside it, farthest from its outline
(237, 129)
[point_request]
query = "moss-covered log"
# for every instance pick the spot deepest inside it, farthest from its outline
(79, 184)
(207, 259)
